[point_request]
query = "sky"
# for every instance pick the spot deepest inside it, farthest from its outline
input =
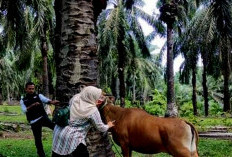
(149, 8)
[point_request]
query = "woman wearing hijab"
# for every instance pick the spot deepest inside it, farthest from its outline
(83, 115)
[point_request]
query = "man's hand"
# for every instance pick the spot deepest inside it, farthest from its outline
(54, 102)
(36, 104)
(32, 105)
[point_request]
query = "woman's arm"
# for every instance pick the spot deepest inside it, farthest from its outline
(97, 122)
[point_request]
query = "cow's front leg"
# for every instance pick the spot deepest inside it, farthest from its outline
(130, 153)
(126, 152)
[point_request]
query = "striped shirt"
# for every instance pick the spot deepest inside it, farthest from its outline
(65, 140)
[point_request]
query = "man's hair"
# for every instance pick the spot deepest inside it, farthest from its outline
(29, 84)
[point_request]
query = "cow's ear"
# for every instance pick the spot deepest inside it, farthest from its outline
(111, 99)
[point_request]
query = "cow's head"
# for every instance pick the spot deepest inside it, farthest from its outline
(110, 100)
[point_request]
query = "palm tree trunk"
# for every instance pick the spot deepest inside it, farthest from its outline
(1, 95)
(204, 83)
(8, 93)
(226, 99)
(194, 95)
(122, 90)
(226, 75)
(113, 86)
(57, 41)
(171, 108)
(121, 66)
(99, 144)
(77, 60)
(44, 52)
(121, 86)
(134, 91)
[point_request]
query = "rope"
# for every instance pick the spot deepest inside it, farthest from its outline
(117, 152)
(103, 105)
(116, 148)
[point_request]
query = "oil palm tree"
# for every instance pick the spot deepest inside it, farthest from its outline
(168, 14)
(176, 14)
(118, 30)
(112, 33)
(187, 67)
(76, 57)
(191, 47)
(42, 12)
(142, 74)
(14, 27)
(12, 80)
(16, 40)
(37, 17)
(185, 45)
(215, 24)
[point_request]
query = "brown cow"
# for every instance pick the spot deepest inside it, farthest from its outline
(136, 130)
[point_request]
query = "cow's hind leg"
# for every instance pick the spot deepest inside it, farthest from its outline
(181, 152)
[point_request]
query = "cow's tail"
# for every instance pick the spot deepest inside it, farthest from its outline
(194, 141)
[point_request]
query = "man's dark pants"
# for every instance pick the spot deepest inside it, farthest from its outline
(37, 132)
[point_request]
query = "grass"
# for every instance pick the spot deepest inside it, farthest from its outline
(10, 109)
(26, 147)
(197, 121)
(15, 147)
(19, 118)
(203, 123)
(206, 148)
(215, 148)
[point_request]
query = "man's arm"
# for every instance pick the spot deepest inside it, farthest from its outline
(47, 100)
(54, 102)
(32, 105)
(24, 108)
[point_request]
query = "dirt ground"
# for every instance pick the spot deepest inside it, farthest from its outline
(15, 135)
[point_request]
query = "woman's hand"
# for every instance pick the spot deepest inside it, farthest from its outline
(111, 123)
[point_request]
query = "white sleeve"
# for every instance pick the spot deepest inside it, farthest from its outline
(44, 99)
(23, 107)
(97, 122)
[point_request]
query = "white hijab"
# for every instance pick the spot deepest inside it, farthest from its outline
(84, 103)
